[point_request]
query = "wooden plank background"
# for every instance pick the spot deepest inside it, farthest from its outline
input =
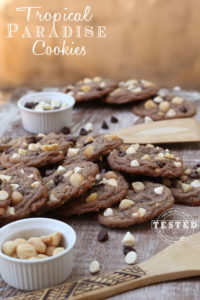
(110, 254)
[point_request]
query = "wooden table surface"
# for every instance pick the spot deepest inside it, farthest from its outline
(109, 254)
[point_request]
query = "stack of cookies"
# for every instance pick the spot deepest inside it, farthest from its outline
(69, 176)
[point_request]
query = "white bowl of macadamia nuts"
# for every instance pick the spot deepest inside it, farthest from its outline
(36, 253)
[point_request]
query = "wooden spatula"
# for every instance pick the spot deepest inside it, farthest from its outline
(179, 260)
(159, 132)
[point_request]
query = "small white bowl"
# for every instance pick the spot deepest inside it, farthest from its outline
(49, 120)
(37, 274)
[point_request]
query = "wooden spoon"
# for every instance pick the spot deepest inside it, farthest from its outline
(179, 260)
(159, 132)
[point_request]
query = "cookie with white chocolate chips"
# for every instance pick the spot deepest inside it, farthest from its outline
(90, 88)
(68, 182)
(22, 192)
(89, 148)
(143, 202)
(131, 90)
(165, 107)
(186, 189)
(146, 160)
(36, 151)
(109, 188)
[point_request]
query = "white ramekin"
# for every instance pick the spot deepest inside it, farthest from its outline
(49, 120)
(37, 274)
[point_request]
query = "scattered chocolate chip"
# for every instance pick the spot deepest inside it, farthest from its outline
(1, 181)
(104, 125)
(32, 139)
(83, 132)
(127, 249)
(160, 163)
(66, 130)
(90, 142)
(194, 175)
(9, 150)
(121, 153)
(30, 105)
(58, 179)
(183, 109)
(197, 166)
(113, 119)
(48, 172)
(100, 184)
(103, 235)
(71, 139)
(22, 191)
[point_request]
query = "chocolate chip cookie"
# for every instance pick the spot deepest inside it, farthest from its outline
(68, 182)
(165, 107)
(90, 88)
(36, 151)
(146, 160)
(186, 189)
(110, 188)
(22, 192)
(143, 202)
(132, 90)
(89, 148)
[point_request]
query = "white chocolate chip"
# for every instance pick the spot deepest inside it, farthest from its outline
(31, 176)
(22, 152)
(51, 147)
(126, 203)
(131, 257)
(169, 155)
(35, 184)
(108, 212)
(129, 239)
(94, 267)
(147, 120)
(132, 149)
(14, 186)
(88, 127)
(159, 190)
(10, 211)
(68, 174)
(158, 99)
(15, 156)
(52, 197)
(76, 179)
(34, 147)
(171, 113)
(177, 164)
(3, 195)
(195, 183)
(77, 169)
(146, 157)
(134, 163)
(72, 152)
(185, 187)
(5, 178)
(141, 211)
(138, 186)
(61, 169)
(177, 100)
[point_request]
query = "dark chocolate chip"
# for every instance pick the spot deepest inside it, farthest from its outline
(32, 139)
(1, 181)
(21, 190)
(104, 125)
(197, 166)
(121, 153)
(9, 150)
(127, 249)
(58, 179)
(160, 163)
(48, 172)
(100, 185)
(83, 132)
(30, 105)
(103, 235)
(66, 130)
(90, 142)
(71, 139)
(114, 119)
(183, 109)
(194, 175)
